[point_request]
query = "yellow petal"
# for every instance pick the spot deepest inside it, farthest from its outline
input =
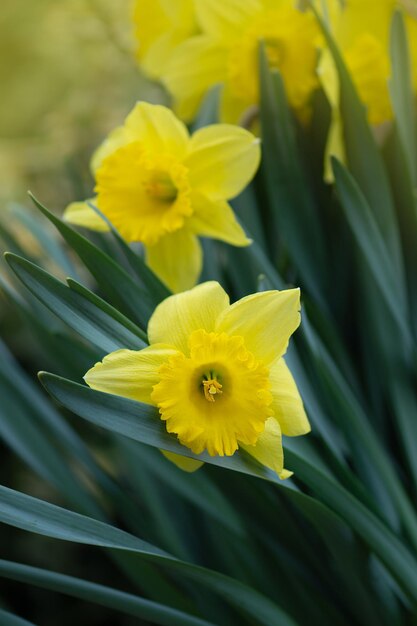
(287, 403)
(157, 128)
(183, 462)
(81, 214)
(114, 140)
(216, 219)
(226, 19)
(178, 316)
(268, 449)
(176, 259)
(159, 54)
(265, 320)
(150, 21)
(235, 148)
(189, 81)
(129, 373)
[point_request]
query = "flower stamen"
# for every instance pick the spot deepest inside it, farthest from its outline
(211, 387)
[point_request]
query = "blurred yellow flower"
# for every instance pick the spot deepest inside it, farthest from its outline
(227, 52)
(362, 31)
(159, 27)
(216, 372)
(159, 186)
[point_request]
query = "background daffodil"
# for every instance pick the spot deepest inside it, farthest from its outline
(226, 51)
(362, 31)
(216, 372)
(159, 27)
(160, 186)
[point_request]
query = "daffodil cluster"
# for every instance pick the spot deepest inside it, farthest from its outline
(222, 38)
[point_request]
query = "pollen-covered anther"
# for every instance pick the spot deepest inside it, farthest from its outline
(211, 387)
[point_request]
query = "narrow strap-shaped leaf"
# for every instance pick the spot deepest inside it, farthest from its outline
(49, 243)
(156, 289)
(137, 421)
(113, 280)
(99, 594)
(292, 205)
(396, 558)
(196, 488)
(401, 91)
(364, 158)
(87, 314)
(353, 419)
(22, 511)
(372, 247)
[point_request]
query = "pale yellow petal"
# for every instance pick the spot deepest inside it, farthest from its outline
(265, 320)
(159, 54)
(176, 259)
(215, 218)
(178, 316)
(183, 462)
(150, 21)
(81, 214)
(268, 449)
(129, 373)
(287, 403)
(222, 160)
(196, 65)
(157, 128)
(225, 20)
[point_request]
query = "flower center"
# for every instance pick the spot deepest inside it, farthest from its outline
(145, 194)
(215, 396)
(159, 186)
(211, 387)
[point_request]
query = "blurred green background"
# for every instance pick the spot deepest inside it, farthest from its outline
(68, 75)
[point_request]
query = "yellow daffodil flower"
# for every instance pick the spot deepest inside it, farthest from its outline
(216, 373)
(160, 186)
(362, 32)
(226, 52)
(159, 27)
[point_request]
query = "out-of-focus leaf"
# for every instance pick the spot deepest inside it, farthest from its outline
(50, 247)
(352, 419)
(152, 612)
(372, 247)
(21, 428)
(291, 203)
(115, 282)
(148, 280)
(364, 160)
(402, 93)
(87, 314)
(196, 488)
(33, 515)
